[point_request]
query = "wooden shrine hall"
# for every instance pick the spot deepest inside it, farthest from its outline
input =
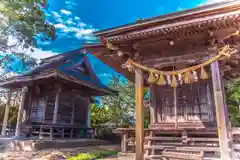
(185, 58)
(56, 97)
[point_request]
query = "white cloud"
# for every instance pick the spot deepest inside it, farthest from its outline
(40, 54)
(180, 8)
(76, 18)
(55, 14)
(85, 34)
(70, 22)
(210, 2)
(60, 26)
(63, 11)
(81, 24)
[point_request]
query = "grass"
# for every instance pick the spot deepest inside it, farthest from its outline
(93, 156)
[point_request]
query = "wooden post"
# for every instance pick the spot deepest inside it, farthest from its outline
(89, 114)
(6, 114)
(20, 110)
(124, 142)
(221, 112)
(45, 108)
(73, 111)
(62, 135)
(153, 107)
(139, 115)
(51, 133)
(56, 107)
(175, 106)
(40, 132)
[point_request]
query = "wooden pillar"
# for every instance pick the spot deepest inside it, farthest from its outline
(56, 107)
(139, 115)
(221, 112)
(153, 107)
(6, 113)
(45, 109)
(73, 110)
(89, 114)
(175, 105)
(20, 110)
(124, 142)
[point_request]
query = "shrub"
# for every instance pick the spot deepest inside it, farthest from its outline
(95, 155)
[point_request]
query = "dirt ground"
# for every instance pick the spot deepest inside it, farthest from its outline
(37, 155)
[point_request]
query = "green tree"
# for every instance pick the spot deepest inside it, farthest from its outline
(14, 105)
(23, 20)
(117, 110)
(233, 98)
(98, 115)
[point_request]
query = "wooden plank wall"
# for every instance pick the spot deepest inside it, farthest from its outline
(195, 102)
(42, 107)
(81, 110)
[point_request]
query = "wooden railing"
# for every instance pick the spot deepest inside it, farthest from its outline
(10, 130)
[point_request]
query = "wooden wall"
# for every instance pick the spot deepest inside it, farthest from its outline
(195, 103)
(81, 110)
(42, 107)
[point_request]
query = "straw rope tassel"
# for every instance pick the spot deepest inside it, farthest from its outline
(151, 78)
(174, 81)
(161, 81)
(203, 74)
(188, 77)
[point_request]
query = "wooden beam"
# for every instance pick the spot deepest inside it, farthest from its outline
(173, 60)
(139, 115)
(221, 112)
(20, 111)
(6, 114)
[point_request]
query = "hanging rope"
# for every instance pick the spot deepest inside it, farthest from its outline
(188, 75)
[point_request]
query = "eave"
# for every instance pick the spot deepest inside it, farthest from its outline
(202, 11)
(21, 81)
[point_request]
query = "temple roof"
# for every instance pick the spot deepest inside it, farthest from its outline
(191, 15)
(73, 67)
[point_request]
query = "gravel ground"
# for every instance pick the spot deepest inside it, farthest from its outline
(38, 155)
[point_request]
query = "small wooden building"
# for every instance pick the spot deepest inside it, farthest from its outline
(181, 57)
(56, 96)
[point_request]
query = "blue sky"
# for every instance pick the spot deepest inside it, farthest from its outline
(75, 20)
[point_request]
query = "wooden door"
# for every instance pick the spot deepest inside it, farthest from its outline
(165, 104)
(38, 110)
